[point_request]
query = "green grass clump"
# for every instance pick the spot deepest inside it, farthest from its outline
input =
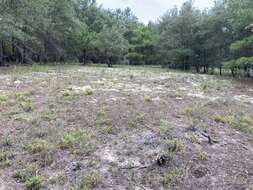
(201, 154)
(108, 130)
(218, 118)
(44, 150)
(27, 105)
(29, 176)
(26, 173)
(7, 141)
(25, 101)
(175, 146)
(174, 177)
(35, 183)
(23, 95)
(3, 98)
(39, 146)
(237, 121)
(5, 156)
(75, 138)
(90, 181)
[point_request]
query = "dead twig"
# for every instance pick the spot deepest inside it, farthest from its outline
(210, 140)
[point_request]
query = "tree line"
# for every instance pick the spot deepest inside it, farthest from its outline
(186, 38)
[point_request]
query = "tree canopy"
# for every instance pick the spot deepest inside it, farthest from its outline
(80, 30)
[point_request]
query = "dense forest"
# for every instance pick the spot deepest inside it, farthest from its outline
(82, 31)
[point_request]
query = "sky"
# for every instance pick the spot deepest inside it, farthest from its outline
(147, 10)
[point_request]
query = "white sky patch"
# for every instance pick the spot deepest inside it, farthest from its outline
(147, 10)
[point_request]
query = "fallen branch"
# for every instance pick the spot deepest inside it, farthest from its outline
(210, 140)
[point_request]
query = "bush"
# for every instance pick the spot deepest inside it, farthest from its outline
(135, 58)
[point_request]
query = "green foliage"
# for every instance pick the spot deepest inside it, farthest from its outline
(238, 121)
(239, 63)
(184, 38)
(35, 183)
(3, 98)
(135, 58)
(175, 146)
(73, 139)
(112, 43)
(25, 174)
(7, 141)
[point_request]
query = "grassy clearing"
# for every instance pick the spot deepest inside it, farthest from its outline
(76, 127)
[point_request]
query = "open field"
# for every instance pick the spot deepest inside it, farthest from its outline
(76, 127)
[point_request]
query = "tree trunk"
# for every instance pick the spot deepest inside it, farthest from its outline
(233, 72)
(197, 68)
(212, 70)
(23, 55)
(205, 69)
(110, 62)
(1, 53)
(84, 56)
